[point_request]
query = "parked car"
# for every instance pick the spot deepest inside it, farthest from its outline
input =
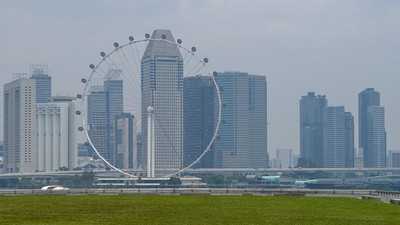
(54, 187)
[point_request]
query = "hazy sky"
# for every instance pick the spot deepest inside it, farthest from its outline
(335, 48)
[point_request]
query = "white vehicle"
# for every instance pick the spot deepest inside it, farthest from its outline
(54, 187)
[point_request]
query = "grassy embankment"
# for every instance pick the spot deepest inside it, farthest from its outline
(194, 210)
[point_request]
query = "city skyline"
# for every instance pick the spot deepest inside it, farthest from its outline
(335, 49)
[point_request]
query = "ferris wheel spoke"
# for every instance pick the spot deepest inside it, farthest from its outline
(133, 90)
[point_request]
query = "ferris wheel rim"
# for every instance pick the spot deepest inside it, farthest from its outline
(131, 42)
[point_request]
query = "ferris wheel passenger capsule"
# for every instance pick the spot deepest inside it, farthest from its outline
(116, 44)
(78, 96)
(131, 38)
(147, 35)
(205, 60)
(102, 54)
(163, 36)
(194, 49)
(91, 66)
(179, 41)
(80, 128)
(83, 80)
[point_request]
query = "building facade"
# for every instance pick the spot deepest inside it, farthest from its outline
(311, 128)
(375, 152)
(43, 82)
(368, 97)
(105, 102)
(56, 141)
(20, 137)
(199, 120)
(334, 138)
(113, 89)
(125, 150)
(284, 158)
(242, 135)
(349, 135)
(162, 89)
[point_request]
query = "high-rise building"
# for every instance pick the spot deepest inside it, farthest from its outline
(258, 141)
(334, 138)
(97, 119)
(39, 72)
(311, 140)
(284, 158)
(56, 141)
(375, 151)
(162, 89)
(125, 151)
(244, 113)
(393, 158)
(349, 134)
(113, 89)
(20, 138)
(105, 102)
(368, 97)
(199, 119)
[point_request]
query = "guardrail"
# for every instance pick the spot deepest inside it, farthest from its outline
(192, 191)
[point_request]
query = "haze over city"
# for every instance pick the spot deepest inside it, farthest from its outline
(334, 48)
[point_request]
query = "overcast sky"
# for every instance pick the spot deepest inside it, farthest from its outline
(335, 48)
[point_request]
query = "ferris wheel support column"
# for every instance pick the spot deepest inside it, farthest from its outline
(150, 143)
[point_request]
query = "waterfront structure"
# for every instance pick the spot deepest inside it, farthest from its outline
(311, 127)
(349, 136)
(39, 72)
(199, 114)
(375, 151)
(334, 138)
(56, 141)
(20, 137)
(125, 150)
(162, 90)
(243, 109)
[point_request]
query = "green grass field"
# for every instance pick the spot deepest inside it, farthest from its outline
(187, 209)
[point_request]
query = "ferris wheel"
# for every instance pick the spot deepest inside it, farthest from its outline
(132, 105)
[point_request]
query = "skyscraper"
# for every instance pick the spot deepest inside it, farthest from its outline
(311, 140)
(349, 134)
(113, 89)
(39, 72)
(334, 138)
(368, 97)
(199, 114)
(20, 138)
(97, 119)
(57, 146)
(243, 120)
(375, 152)
(105, 102)
(162, 89)
(258, 140)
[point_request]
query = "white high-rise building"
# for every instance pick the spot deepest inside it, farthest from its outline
(284, 158)
(162, 89)
(56, 142)
(20, 126)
